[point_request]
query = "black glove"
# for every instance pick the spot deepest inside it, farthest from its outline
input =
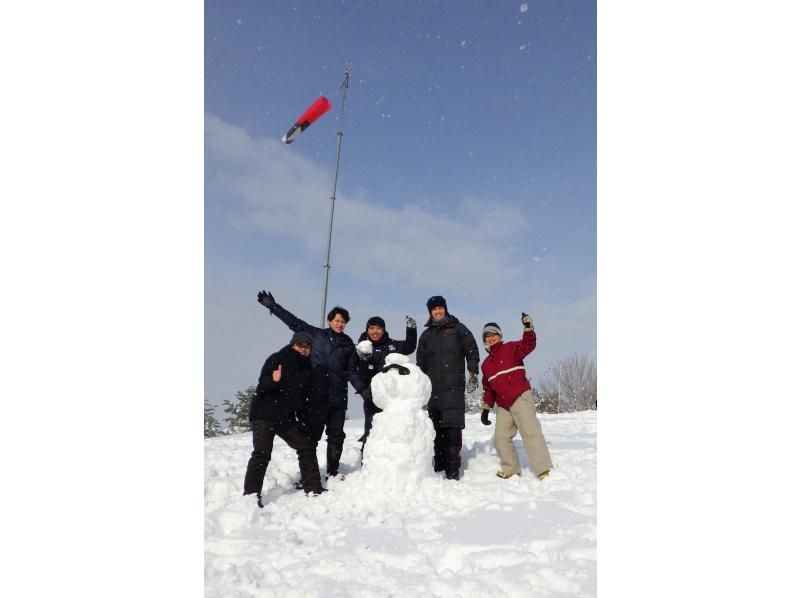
(267, 300)
(527, 321)
(472, 383)
(410, 322)
(485, 417)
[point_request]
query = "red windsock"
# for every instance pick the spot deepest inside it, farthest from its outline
(315, 110)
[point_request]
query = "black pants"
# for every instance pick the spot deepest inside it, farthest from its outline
(297, 438)
(446, 446)
(334, 427)
(318, 418)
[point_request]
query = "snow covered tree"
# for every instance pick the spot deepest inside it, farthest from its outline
(574, 384)
(211, 424)
(239, 412)
(545, 402)
(473, 401)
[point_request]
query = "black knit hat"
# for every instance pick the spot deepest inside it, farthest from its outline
(491, 328)
(301, 338)
(376, 321)
(436, 301)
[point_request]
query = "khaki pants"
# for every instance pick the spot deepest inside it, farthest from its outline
(522, 417)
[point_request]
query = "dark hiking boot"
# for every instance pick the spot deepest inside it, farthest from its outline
(334, 454)
(452, 475)
(316, 491)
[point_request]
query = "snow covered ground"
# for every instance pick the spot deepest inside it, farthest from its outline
(480, 536)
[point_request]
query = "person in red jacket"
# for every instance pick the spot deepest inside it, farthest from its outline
(506, 387)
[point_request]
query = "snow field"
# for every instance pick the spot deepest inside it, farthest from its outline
(415, 536)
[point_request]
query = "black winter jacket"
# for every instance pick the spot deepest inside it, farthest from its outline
(441, 353)
(369, 365)
(277, 402)
(333, 356)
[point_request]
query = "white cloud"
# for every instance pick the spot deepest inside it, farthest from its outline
(281, 193)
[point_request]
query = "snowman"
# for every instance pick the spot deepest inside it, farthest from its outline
(399, 451)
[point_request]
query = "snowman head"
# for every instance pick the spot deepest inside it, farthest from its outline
(400, 383)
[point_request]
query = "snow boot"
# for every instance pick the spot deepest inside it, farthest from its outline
(543, 475)
(259, 501)
(504, 475)
(316, 491)
(334, 455)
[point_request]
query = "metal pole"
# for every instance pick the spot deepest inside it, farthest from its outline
(340, 134)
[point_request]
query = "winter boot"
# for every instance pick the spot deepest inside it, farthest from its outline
(452, 475)
(334, 455)
(260, 502)
(543, 475)
(316, 491)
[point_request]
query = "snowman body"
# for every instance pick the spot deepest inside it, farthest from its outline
(399, 450)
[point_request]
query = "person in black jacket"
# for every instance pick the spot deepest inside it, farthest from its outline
(441, 353)
(283, 387)
(371, 362)
(334, 363)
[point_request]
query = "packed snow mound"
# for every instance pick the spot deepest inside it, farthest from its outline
(399, 451)
(396, 390)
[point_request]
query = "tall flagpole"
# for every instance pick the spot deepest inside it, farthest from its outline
(345, 86)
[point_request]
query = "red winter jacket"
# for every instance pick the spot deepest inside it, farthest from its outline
(503, 371)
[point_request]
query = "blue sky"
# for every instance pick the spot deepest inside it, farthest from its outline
(468, 170)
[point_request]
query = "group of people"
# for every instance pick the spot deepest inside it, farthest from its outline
(302, 391)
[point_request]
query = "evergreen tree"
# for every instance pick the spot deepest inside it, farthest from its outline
(546, 402)
(211, 424)
(239, 412)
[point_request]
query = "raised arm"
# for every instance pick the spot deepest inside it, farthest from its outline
(408, 346)
(294, 323)
(528, 342)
